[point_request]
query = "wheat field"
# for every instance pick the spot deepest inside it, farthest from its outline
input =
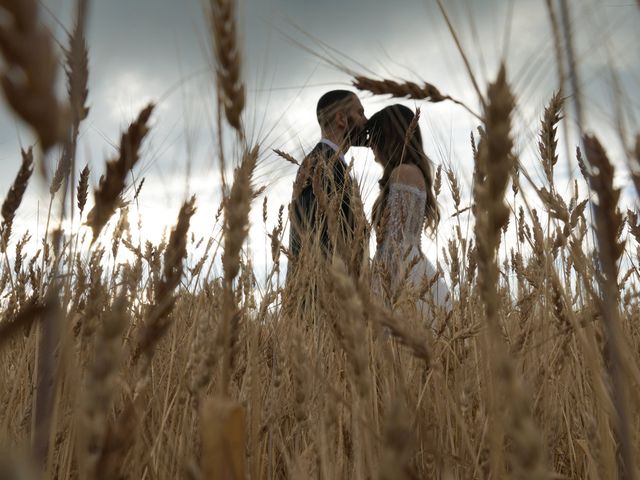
(156, 368)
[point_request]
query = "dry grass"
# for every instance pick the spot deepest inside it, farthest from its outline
(155, 368)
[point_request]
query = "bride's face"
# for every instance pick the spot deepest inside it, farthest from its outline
(378, 156)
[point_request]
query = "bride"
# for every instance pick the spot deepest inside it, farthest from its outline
(406, 205)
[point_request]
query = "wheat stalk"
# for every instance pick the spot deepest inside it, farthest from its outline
(409, 133)
(139, 189)
(100, 388)
(608, 221)
(286, 156)
(47, 365)
(83, 187)
(14, 197)
(157, 320)
(236, 227)
(495, 166)
(349, 325)
(228, 62)
(112, 184)
(77, 68)
(77, 72)
(406, 89)
(548, 144)
(29, 76)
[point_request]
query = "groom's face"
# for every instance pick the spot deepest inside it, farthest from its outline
(356, 121)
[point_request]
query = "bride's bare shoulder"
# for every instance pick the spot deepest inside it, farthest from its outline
(408, 174)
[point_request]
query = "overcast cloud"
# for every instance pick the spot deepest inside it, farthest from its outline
(159, 50)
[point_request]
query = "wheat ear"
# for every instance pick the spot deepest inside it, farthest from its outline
(228, 61)
(14, 197)
(412, 90)
(77, 68)
(495, 161)
(289, 158)
(236, 227)
(29, 75)
(77, 73)
(101, 387)
(113, 182)
(548, 144)
(83, 187)
(157, 320)
(608, 221)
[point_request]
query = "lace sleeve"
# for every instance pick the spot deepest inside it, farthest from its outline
(405, 215)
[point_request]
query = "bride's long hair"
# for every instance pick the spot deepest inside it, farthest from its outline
(387, 132)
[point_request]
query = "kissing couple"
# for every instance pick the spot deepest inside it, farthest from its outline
(326, 215)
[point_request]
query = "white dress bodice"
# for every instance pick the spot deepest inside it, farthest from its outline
(404, 220)
(400, 250)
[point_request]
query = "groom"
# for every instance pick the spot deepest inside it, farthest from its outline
(324, 193)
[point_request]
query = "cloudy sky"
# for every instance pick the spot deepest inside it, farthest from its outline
(294, 50)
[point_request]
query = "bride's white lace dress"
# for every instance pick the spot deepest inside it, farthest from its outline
(402, 275)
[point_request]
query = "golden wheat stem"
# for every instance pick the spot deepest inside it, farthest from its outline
(237, 208)
(608, 221)
(77, 73)
(492, 214)
(562, 76)
(572, 66)
(46, 377)
(157, 320)
(46, 239)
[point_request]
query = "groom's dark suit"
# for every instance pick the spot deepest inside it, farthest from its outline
(322, 204)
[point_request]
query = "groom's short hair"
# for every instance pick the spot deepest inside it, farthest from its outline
(329, 104)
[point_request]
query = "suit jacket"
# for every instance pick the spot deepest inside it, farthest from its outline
(321, 205)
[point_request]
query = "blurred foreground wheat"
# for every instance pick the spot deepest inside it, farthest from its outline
(156, 369)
